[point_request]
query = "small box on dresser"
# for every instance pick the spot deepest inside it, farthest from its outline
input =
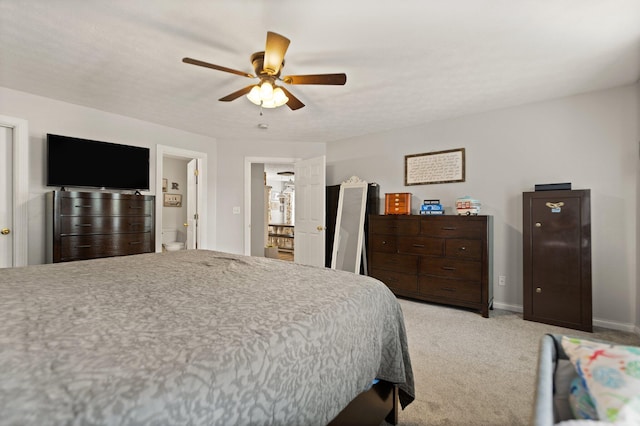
(397, 203)
(443, 259)
(88, 225)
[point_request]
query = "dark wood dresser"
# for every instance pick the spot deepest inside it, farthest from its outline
(88, 225)
(443, 259)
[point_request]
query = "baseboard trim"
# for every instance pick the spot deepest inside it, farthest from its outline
(507, 307)
(613, 325)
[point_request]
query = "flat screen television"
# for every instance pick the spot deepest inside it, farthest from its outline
(86, 163)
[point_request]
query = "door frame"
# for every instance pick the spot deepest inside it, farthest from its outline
(163, 151)
(20, 147)
(247, 192)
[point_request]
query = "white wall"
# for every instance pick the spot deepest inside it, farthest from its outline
(231, 160)
(589, 140)
(50, 116)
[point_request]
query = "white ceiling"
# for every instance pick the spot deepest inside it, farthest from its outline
(407, 62)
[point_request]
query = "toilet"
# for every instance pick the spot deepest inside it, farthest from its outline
(169, 237)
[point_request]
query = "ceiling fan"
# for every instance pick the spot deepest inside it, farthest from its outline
(268, 66)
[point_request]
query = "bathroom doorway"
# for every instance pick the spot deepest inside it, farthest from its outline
(180, 199)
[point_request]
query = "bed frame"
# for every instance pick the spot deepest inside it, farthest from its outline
(378, 404)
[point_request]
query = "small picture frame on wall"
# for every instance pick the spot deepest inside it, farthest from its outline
(164, 185)
(172, 200)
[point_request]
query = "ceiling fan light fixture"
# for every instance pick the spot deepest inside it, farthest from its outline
(266, 91)
(254, 95)
(279, 97)
(266, 96)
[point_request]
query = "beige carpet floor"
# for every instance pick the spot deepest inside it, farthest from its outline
(471, 370)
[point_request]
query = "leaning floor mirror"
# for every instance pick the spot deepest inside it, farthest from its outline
(348, 247)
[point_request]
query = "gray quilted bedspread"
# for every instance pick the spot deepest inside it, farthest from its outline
(193, 338)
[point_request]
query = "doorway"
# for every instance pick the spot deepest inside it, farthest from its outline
(14, 143)
(259, 172)
(181, 189)
(309, 207)
(280, 209)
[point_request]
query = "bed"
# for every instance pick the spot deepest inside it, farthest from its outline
(197, 337)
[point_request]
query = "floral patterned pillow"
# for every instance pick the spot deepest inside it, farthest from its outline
(612, 376)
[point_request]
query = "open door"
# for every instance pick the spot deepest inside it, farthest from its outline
(14, 191)
(192, 228)
(309, 227)
(6, 197)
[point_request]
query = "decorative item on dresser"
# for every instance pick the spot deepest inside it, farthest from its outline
(88, 225)
(397, 203)
(443, 259)
(557, 258)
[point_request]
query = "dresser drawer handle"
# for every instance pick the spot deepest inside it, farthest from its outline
(448, 289)
(384, 243)
(448, 268)
(463, 248)
(84, 224)
(135, 243)
(136, 223)
(419, 245)
(84, 206)
(135, 207)
(84, 246)
(448, 228)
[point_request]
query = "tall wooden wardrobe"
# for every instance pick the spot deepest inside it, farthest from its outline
(557, 258)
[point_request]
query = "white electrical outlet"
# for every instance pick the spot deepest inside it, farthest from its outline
(236, 210)
(502, 280)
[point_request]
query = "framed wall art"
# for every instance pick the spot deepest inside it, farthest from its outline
(434, 167)
(172, 200)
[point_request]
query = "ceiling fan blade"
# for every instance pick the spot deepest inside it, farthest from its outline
(277, 46)
(216, 67)
(237, 94)
(293, 102)
(333, 79)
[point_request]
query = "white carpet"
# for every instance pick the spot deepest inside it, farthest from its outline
(471, 370)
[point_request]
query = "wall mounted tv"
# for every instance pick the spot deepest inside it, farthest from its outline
(76, 162)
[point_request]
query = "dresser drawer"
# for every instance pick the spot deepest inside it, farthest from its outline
(80, 206)
(94, 246)
(423, 246)
(468, 291)
(383, 243)
(394, 225)
(396, 280)
(464, 249)
(77, 225)
(395, 262)
(451, 268)
(453, 226)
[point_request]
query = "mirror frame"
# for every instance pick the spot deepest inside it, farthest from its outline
(352, 183)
